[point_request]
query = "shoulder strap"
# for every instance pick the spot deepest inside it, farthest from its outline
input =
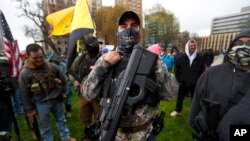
(107, 83)
(82, 57)
(114, 72)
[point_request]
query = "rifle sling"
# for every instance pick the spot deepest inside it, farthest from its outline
(107, 83)
(241, 91)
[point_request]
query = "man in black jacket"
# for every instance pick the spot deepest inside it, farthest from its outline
(228, 86)
(82, 66)
(188, 68)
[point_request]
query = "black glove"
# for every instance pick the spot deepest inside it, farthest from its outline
(158, 123)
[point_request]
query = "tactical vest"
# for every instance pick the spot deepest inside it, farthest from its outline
(85, 65)
(111, 83)
(43, 81)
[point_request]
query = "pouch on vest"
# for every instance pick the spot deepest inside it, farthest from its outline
(43, 81)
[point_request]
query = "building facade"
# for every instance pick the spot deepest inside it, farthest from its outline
(94, 6)
(134, 5)
(231, 23)
(224, 29)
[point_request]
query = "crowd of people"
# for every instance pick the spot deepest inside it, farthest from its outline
(44, 88)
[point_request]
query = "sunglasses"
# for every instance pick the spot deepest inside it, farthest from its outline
(240, 43)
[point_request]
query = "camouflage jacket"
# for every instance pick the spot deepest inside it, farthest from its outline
(92, 85)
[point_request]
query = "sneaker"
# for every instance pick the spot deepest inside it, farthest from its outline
(71, 139)
(68, 115)
(174, 114)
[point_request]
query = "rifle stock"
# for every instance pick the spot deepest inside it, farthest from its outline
(206, 123)
(139, 67)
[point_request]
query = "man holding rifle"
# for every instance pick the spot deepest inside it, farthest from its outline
(103, 81)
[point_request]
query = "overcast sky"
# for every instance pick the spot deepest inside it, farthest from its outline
(194, 16)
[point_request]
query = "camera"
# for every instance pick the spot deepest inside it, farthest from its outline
(5, 136)
(5, 80)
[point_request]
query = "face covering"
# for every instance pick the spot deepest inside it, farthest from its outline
(127, 39)
(94, 50)
(239, 55)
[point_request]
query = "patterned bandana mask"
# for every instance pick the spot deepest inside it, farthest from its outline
(127, 39)
(240, 55)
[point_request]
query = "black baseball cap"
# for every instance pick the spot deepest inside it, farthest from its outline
(130, 14)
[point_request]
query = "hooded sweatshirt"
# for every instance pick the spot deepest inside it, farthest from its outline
(188, 68)
(190, 57)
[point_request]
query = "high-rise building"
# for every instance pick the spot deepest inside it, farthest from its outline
(95, 5)
(231, 23)
(134, 5)
(50, 6)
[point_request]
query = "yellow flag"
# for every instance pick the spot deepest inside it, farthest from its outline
(60, 21)
(82, 17)
(81, 25)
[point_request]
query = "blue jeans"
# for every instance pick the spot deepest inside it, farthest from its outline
(57, 109)
(18, 109)
(67, 101)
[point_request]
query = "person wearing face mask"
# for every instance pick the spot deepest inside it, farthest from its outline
(42, 89)
(138, 126)
(226, 89)
(82, 66)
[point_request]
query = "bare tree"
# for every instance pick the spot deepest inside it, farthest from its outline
(161, 26)
(106, 25)
(33, 11)
(182, 40)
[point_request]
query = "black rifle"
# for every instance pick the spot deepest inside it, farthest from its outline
(13, 113)
(140, 65)
(76, 76)
(34, 128)
(206, 123)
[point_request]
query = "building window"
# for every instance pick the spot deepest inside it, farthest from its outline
(52, 2)
(74, 1)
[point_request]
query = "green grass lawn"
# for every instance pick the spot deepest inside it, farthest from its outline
(175, 129)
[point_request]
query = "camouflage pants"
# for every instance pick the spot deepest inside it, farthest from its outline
(137, 136)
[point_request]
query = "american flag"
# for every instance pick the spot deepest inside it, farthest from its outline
(10, 47)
